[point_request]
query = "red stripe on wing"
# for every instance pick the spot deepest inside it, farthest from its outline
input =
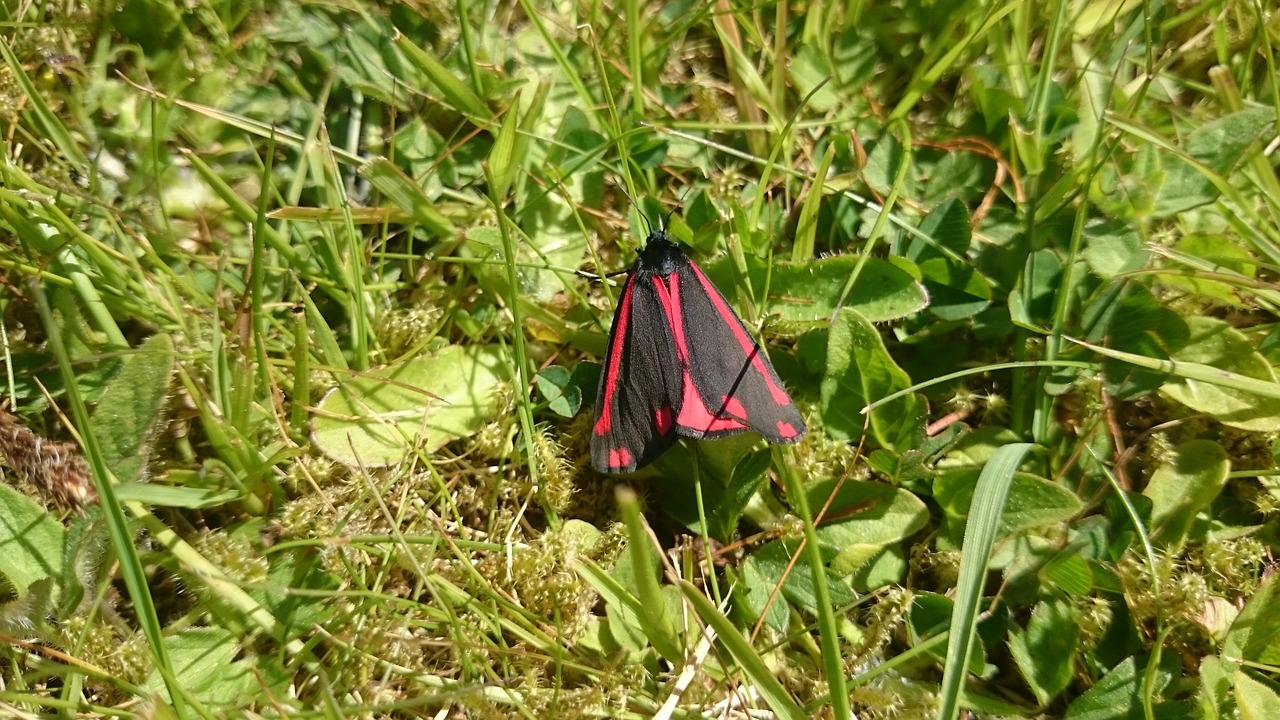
(617, 341)
(745, 341)
(694, 415)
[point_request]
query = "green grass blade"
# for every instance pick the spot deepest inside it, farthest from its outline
(776, 696)
(979, 536)
(118, 526)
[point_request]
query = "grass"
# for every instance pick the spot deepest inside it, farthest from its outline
(300, 365)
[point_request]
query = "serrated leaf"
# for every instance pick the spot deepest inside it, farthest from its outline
(379, 418)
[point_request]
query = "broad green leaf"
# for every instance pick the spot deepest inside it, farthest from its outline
(212, 665)
(728, 474)
(1183, 486)
(1127, 317)
(1216, 148)
(1119, 694)
(940, 250)
(1068, 572)
(1032, 303)
(1217, 691)
(551, 238)
(773, 562)
(944, 233)
(379, 418)
(1255, 634)
(885, 155)
(1111, 248)
(975, 448)
(888, 566)
(808, 69)
(956, 290)
(1032, 502)
(809, 292)
(31, 541)
(852, 52)
(950, 176)
(754, 591)
(863, 518)
(374, 67)
(85, 553)
(726, 505)
(130, 407)
(622, 608)
(860, 371)
(22, 609)
(1217, 345)
(1256, 700)
(1045, 650)
(930, 616)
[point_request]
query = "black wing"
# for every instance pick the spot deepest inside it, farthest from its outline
(639, 388)
(731, 372)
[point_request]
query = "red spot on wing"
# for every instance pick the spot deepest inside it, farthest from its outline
(620, 458)
(734, 407)
(748, 344)
(665, 418)
(787, 430)
(621, 325)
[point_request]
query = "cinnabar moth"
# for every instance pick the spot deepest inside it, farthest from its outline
(680, 362)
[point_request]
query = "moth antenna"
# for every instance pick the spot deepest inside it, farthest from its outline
(667, 223)
(648, 228)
